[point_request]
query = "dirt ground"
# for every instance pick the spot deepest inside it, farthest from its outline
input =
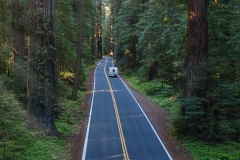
(155, 113)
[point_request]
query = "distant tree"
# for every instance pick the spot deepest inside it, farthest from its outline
(126, 33)
(66, 35)
(67, 26)
(42, 69)
(79, 55)
(161, 40)
(88, 48)
(107, 23)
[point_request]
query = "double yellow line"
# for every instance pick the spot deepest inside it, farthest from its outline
(124, 147)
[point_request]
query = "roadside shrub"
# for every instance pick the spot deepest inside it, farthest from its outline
(12, 125)
(70, 114)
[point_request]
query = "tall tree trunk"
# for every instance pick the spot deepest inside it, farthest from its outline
(53, 63)
(118, 55)
(3, 39)
(79, 56)
(42, 69)
(19, 50)
(97, 30)
(100, 30)
(197, 48)
(95, 40)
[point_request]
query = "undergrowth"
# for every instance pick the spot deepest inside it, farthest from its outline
(18, 143)
(70, 115)
(165, 96)
(211, 151)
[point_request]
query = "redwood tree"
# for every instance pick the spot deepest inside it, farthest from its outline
(98, 30)
(194, 104)
(19, 49)
(197, 48)
(42, 69)
(79, 55)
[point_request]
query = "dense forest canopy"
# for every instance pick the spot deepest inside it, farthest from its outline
(191, 45)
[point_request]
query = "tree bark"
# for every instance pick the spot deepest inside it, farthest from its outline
(98, 31)
(19, 50)
(79, 56)
(42, 68)
(197, 48)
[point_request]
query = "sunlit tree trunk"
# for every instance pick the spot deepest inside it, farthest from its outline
(79, 56)
(42, 68)
(197, 48)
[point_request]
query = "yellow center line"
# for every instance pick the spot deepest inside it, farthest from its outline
(124, 147)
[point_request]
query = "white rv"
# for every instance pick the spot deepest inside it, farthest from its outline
(112, 71)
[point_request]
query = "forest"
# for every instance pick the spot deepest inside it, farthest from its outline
(182, 54)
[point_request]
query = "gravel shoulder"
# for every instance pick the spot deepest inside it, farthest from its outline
(156, 114)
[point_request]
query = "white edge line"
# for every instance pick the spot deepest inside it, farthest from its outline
(148, 120)
(89, 120)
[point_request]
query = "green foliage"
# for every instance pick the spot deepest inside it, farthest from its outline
(7, 82)
(67, 78)
(162, 33)
(125, 33)
(193, 116)
(208, 151)
(18, 143)
(12, 121)
(66, 34)
(64, 89)
(216, 116)
(48, 148)
(70, 115)
(151, 38)
(89, 13)
(106, 23)
(218, 119)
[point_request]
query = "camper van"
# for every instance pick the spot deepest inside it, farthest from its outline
(112, 71)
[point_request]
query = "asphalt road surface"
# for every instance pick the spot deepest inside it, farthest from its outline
(118, 129)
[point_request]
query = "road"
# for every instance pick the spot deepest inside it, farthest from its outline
(118, 128)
